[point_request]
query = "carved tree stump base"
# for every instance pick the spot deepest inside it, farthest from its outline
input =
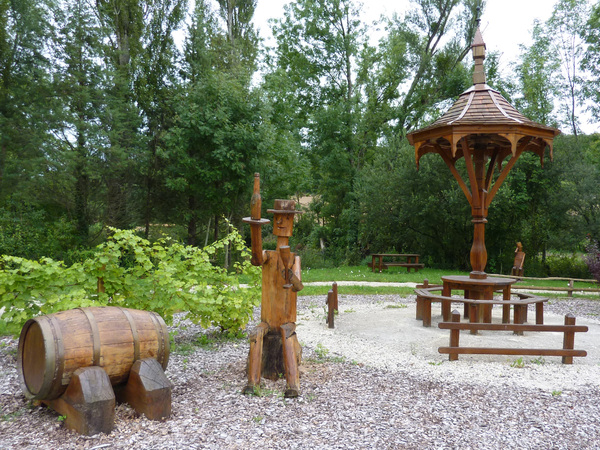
(272, 356)
(88, 403)
(147, 390)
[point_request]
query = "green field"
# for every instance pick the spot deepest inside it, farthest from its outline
(400, 275)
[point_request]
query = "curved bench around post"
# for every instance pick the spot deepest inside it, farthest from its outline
(426, 296)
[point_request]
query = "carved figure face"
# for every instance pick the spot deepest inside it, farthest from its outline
(283, 224)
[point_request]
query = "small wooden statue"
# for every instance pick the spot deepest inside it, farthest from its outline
(274, 347)
(517, 269)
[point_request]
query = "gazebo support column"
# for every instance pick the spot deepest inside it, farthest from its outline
(479, 211)
(485, 130)
(478, 250)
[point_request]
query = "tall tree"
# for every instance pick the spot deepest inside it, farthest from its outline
(25, 34)
(565, 27)
(591, 60)
(418, 64)
(316, 57)
(123, 22)
(155, 84)
(140, 56)
(241, 34)
(217, 134)
(78, 84)
(538, 78)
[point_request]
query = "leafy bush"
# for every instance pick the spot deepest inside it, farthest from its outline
(569, 266)
(163, 276)
(27, 231)
(592, 259)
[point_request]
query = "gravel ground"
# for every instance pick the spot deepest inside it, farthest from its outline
(355, 394)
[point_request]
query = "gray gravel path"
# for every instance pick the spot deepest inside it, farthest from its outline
(409, 398)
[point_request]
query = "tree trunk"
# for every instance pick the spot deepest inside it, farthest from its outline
(192, 230)
(216, 235)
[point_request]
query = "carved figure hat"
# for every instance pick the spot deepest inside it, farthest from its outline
(284, 207)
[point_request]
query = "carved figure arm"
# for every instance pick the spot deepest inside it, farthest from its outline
(296, 278)
(256, 224)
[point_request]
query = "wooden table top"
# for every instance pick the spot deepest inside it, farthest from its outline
(394, 254)
(465, 280)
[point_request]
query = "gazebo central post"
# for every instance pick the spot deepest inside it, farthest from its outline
(479, 213)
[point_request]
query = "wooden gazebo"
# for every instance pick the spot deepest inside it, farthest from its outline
(485, 129)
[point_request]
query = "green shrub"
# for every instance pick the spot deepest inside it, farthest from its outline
(313, 258)
(568, 266)
(163, 276)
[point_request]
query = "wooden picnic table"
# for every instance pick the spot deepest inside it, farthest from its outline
(477, 289)
(409, 260)
(478, 300)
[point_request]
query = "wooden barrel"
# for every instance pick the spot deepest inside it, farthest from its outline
(52, 347)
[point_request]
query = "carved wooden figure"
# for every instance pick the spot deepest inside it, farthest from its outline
(517, 269)
(274, 347)
(72, 361)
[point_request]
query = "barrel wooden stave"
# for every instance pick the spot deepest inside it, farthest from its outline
(52, 347)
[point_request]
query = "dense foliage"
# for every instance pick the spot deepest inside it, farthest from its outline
(110, 118)
(165, 277)
(592, 259)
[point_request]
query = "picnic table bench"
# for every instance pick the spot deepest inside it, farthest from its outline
(408, 260)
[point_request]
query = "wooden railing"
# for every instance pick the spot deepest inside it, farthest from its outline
(569, 289)
(567, 351)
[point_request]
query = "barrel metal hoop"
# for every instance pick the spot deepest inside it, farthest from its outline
(95, 335)
(57, 353)
(134, 333)
(162, 342)
(49, 355)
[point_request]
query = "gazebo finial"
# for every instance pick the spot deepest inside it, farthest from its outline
(478, 49)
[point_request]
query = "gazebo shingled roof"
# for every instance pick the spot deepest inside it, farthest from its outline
(481, 110)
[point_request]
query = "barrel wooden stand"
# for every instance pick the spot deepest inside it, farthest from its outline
(88, 404)
(148, 390)
(72, 361)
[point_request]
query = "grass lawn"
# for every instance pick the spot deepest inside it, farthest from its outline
(400, 275)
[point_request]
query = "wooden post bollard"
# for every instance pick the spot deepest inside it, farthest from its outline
(335, 297)
(568, 339)
(570, 291)
(330, 310)
(454, 336)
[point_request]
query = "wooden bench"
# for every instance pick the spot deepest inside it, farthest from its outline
(425, 297)
(567, 352)
(411, 261)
